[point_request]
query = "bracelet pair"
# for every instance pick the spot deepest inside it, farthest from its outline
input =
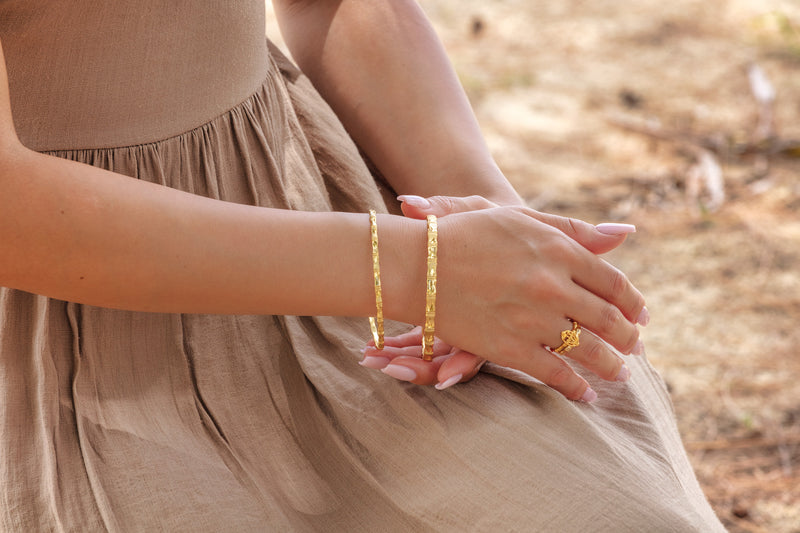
(432, 253)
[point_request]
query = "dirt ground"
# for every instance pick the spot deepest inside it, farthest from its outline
(644, 113)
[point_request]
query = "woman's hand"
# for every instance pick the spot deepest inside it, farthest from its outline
(401, 358)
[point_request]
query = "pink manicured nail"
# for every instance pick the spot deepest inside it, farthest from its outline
(644, 317)
(638, 348)
(589, 396)
(441, 359)
(624, 374)
(449, 382)
(414, 201)
(377, 363)
(612, 228)
(403, 373)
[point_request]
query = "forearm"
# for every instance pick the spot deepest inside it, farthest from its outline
(384, 71)
(83, 234)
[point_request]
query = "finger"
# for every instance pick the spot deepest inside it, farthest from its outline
(612, 285)
(409, 338)
(556, 373)
(414, 369)
(414, 336)
(460, 367)
(419, 207)
(378, 359)
(597, 239)
(595, 355)
(408, 344)
(604, 320)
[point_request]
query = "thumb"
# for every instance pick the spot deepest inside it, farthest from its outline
(597, 239)
(419, 207)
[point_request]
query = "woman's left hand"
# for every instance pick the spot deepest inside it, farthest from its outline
(401, 358)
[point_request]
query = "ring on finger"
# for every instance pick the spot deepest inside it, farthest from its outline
(570, 338)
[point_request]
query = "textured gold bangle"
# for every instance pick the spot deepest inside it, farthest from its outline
(376, 322)
(430, 288)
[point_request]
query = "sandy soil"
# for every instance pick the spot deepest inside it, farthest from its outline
(557, 87)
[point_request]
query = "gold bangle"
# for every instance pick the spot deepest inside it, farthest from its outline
(430, 289)
(376, 322)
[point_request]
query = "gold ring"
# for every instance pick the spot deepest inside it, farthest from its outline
(570, 338)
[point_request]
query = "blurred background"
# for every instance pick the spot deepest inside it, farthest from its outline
(683, 118)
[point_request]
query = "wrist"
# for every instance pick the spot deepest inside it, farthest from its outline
(403, 257)
(496, 186)
(479, 176)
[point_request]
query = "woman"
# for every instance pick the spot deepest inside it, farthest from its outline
(173, 352)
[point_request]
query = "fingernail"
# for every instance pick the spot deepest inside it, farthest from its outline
(589, 396)
(644, 317)
(449, 382)
(403, 373)
(612, 228)
(441, 358)
(624, 374)
(414, 201)
(377, 363)
(638, 348)
(362, 350)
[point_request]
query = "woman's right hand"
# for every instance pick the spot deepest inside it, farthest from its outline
(511, 279)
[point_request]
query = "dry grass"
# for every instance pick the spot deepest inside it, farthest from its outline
(723, 286)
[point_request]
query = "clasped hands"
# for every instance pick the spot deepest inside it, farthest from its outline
(546, 272)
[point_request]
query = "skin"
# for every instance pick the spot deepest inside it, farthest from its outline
(385, 73)
(78, 233)
(454, 364)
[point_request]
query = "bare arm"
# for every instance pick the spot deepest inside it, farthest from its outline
(83, 234)
(79, 233)
(383, 70)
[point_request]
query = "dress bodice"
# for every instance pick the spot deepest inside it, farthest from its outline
(94, 74)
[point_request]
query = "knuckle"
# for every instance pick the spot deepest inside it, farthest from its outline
(573, 225)
(560, 377)
(544, 286)
(519, 320)
(556, 245)
(559, 223)
(475, 201)
(447, 204)
(504, 347)
(564, 380)
(594, 355)
(610, 318)
(618, 282)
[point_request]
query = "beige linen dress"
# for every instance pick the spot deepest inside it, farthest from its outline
(125, 421)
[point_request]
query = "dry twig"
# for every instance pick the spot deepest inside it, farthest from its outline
(705, 175)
